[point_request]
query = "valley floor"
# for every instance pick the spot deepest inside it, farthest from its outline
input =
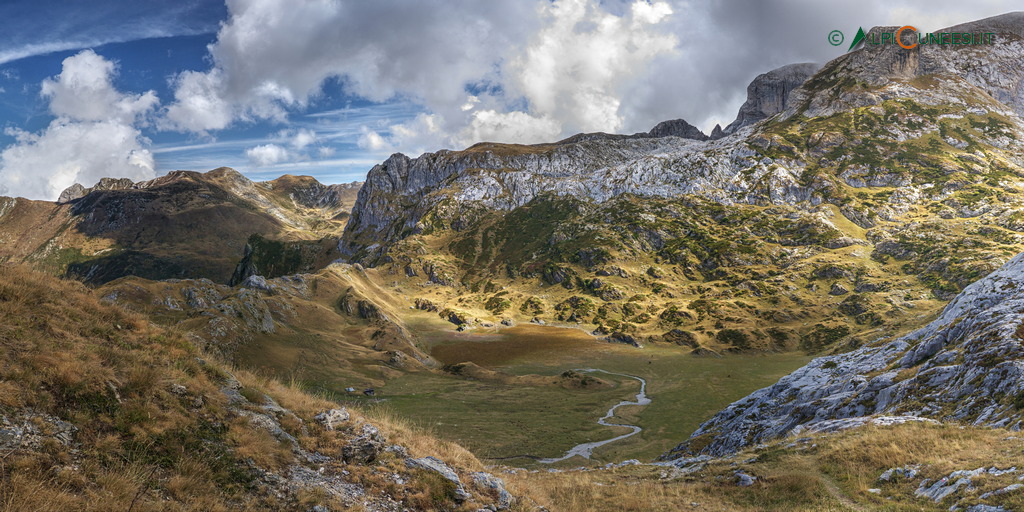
(501, 419)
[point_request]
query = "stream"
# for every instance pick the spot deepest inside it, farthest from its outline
(586, 449)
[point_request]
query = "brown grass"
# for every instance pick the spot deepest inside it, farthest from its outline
(142, 446)
(835, 475)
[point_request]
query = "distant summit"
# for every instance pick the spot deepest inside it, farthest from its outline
(768, 94)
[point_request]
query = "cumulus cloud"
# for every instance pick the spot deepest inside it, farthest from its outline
(267, 154)
(301, 138)
(95, 133)
(540, 70)
(516, 71)
(274, 55)
(84, 92)
(302, 142)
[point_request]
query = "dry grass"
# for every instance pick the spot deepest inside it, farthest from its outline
(834, 475)
(142, 446)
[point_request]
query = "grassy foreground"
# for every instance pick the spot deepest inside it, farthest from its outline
(101, 410)
(832, 472)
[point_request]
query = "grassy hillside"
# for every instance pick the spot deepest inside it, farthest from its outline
(102, 410)
(814, 473)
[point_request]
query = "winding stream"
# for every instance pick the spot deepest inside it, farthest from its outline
(586, 449)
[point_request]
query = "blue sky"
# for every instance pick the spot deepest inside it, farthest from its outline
(133, 88)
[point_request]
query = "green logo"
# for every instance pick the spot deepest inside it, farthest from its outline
(916, 38)
(857, 38)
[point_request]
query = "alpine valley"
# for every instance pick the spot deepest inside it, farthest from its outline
(817, 307)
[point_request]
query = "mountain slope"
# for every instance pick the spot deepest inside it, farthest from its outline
(881, 186)
(101, 410)
(184, 224)
(336, 328)
(966, 366)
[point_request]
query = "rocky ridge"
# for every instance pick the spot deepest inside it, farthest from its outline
(755, 167)
(181, 225)
(918, 164)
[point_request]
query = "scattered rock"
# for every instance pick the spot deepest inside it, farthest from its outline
(744, 480)
(905, 473)
(437, 466)
(258, 283)
(838, 289)
(956, 480)
(30, 430)
(495, 485)
(1004, 490)
(986, 508)
(332, 418)
(365, 448)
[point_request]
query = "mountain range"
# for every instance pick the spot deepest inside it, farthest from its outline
(867, 212)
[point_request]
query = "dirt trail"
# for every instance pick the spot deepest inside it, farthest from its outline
(586, 449)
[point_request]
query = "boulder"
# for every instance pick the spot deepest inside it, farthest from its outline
(364, 448)
(332, 418)
(438, 466)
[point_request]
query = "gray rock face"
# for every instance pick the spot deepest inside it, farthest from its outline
(677, 128)
(438, 466)
(769, 93)
(1000, 75)
(399, 193)
(78, 191)
(959, 367)
(332, 418)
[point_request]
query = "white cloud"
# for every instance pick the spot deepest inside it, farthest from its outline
(267, 154)
(302, 142)
(513, 71)
(302, 138)
(578, 66)
(83, 91)
(199, 104)
(272, 56)
(571, 73)
(94, 135)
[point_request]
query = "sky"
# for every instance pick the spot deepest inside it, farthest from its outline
(328, 88)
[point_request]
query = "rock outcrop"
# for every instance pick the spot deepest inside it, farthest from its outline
(768, 94)
(77, 191)
(677, 128)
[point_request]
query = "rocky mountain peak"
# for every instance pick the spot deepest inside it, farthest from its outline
(677, 128)
(768, 94)
(78, 191)
(717, 132)
(872, 74)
